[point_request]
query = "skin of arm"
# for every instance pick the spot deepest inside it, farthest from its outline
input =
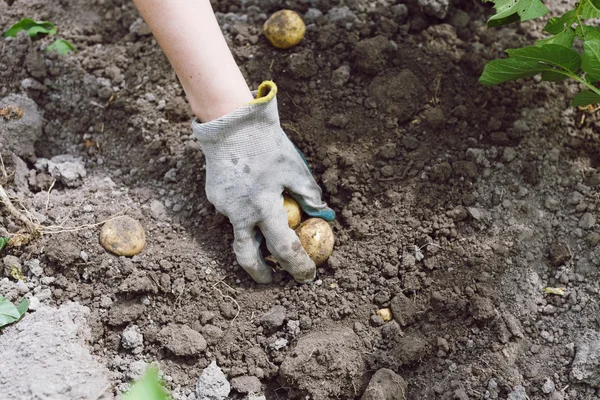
(189, 34)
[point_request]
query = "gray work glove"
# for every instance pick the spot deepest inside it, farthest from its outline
(249, 163)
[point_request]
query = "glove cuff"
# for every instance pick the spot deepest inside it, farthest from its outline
(250, 130)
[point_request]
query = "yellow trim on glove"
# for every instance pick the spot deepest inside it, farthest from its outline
(265, 93)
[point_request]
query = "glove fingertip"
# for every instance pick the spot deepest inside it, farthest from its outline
(327, 214)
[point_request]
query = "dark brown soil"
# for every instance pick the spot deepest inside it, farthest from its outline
(457, 204)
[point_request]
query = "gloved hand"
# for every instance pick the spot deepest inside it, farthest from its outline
(249, 163)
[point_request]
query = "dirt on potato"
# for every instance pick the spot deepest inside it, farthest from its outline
(456, 205)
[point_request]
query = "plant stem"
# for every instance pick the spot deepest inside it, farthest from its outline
(586, 83)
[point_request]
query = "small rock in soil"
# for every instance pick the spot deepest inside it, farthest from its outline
(386, 385)
(371, 54)
(340, 76)
(458, 213)
(518, 393)
(246, 384)
(482, 309)
(273, 319)
(228, 310)
(434, 118)
(212, 333)
(182, 340)
(435, 8)
(408, 350)
(123, 236)
(132, 338)
(509, 154)
(302, 65)
(68, 169)
(587, 221)
(138, 282)
(125, 312)
(586, 365)
(403, 310)
(212, 384)
(548, 386)
(559, 253)
(441, 172)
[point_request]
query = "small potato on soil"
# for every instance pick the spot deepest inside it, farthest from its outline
(123, 236)
(284, 29)
(317, 239)
(293, 211)
(385, 314)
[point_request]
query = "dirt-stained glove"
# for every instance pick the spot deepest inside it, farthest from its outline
(249, 163)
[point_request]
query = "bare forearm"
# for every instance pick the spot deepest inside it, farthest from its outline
(189, 34)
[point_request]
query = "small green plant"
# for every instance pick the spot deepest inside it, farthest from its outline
(3, 241)
(552, 57)
(35, 28)
(148, 387)
(10, 313)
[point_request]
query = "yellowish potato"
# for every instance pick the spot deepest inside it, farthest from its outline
(123, 236)
(284, 29)
(317, 239)
(292, 208)
(385, 314)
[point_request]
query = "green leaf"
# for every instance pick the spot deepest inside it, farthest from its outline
(586, 98)
(558, 24)
(8, 312)
(553, 76)
(550, 54)
(61, 46)
(33, 28)
(3, 241)
(508, 11)
(587, 32)
(148, 387)
(565, 39)
(22, 307)
(589, 9)
(508, 69)
(590, 62)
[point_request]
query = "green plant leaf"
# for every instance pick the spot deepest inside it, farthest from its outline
(586, 98)
(508, 69)
(508, 11)
(61, 46)
(148, 387)
(587, 32)
(590, 9)
(550, 54)
(564, 38)
(3, 241)
(23, 306)
(558, 24)
(8, 312)
(590, 62)
(553, 76)
(33, 28)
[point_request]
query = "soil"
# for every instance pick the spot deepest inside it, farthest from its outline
(457, 205)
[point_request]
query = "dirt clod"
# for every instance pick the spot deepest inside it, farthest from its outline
(182, 340)
(386, 385)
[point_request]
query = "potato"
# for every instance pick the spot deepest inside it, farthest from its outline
(284, 29)
(385, 314)
(317, 239)
(123, 236)
(293, 211)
